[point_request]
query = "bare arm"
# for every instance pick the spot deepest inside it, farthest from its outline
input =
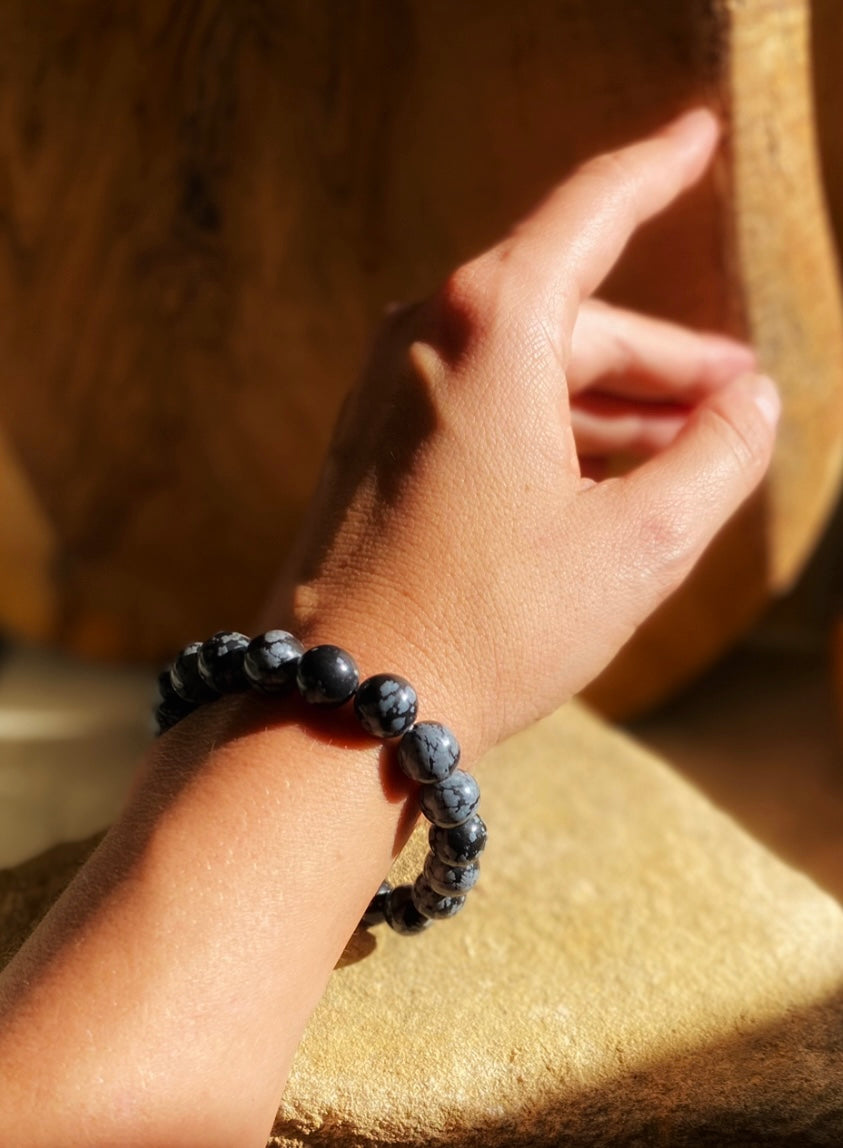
(453, 540)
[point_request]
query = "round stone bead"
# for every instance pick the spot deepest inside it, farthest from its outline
(376, 911)
(272, 660)
(429, 752)
(166, 692)
(460, 845)
(327, 676)
(386, 705)
(171, 711)
(432, 904)
(452, 801)
(401, 914)
(221, 662)
(450, 880)
(187, 682)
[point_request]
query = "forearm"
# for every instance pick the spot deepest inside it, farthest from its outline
(452, 541)
(204, 929)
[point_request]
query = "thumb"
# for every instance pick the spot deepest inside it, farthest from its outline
(667, 511)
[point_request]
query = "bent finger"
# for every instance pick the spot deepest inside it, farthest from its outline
(636, 432)
(637, 356)
(665, 513)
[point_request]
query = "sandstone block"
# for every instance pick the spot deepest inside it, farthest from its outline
(632, 969)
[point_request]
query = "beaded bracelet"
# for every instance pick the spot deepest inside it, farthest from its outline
(386, 706)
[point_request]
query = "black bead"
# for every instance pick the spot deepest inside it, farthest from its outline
(166, 693)
(186, 679)
(386, 705)
(271, 661)
(171, 712)
(327, 676)
(402, 915)
(376, 912)
(450, 880)
(461, 844)
(429, 752)
(452, 801)
(221, 662)
(432, 904)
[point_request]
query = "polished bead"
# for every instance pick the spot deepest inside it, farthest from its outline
(166, 692)
(450, 880)
(461, 844)
(186, 679)
(272, 660)
(327, 676)
(452, 801)
(376, 910)
(171, 712)
(432, 904)
(401, 914)
(386, 705)
(429, 752)
(221, 662)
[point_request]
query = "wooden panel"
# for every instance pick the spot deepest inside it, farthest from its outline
(207, 205)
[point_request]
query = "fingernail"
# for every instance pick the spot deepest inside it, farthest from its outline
(765, 395)
(696, 129)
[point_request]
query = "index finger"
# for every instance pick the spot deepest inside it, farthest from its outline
(571, 241)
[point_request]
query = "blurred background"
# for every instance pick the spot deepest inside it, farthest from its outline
(205, 207)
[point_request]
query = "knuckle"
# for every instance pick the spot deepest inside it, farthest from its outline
(668, 542)
(467, 305)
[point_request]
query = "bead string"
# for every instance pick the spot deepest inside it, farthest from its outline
(386, 706)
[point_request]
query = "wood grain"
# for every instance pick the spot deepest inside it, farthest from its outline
(206, 205)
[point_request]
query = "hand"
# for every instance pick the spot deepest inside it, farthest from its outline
(456, 535)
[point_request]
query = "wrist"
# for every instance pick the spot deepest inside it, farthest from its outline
(401, 638)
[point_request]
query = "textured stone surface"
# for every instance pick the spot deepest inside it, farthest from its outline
(631, 969)
(28, 891)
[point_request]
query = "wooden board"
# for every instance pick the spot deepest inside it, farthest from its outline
(206, 207)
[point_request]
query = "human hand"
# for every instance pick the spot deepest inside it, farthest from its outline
(457, 536)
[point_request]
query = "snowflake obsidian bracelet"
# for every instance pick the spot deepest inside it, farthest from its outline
(386, 706)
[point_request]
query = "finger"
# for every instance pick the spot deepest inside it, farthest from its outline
(640, 357)
(665, 513)
(629, 429)
(572, 240)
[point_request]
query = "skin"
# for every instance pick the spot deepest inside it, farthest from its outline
(457, 537)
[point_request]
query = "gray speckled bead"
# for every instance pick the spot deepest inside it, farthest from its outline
(376, 910)
(272, 660)
(386, 705)
(460, 845)
(402, 915)
(432, 904)
(429, 752)
(452, 801)
(186, 680)
(450, 880)
(221, 661)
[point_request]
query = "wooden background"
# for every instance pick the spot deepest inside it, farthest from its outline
(204, 207)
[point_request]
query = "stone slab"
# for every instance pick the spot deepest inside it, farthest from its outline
(633, 969)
